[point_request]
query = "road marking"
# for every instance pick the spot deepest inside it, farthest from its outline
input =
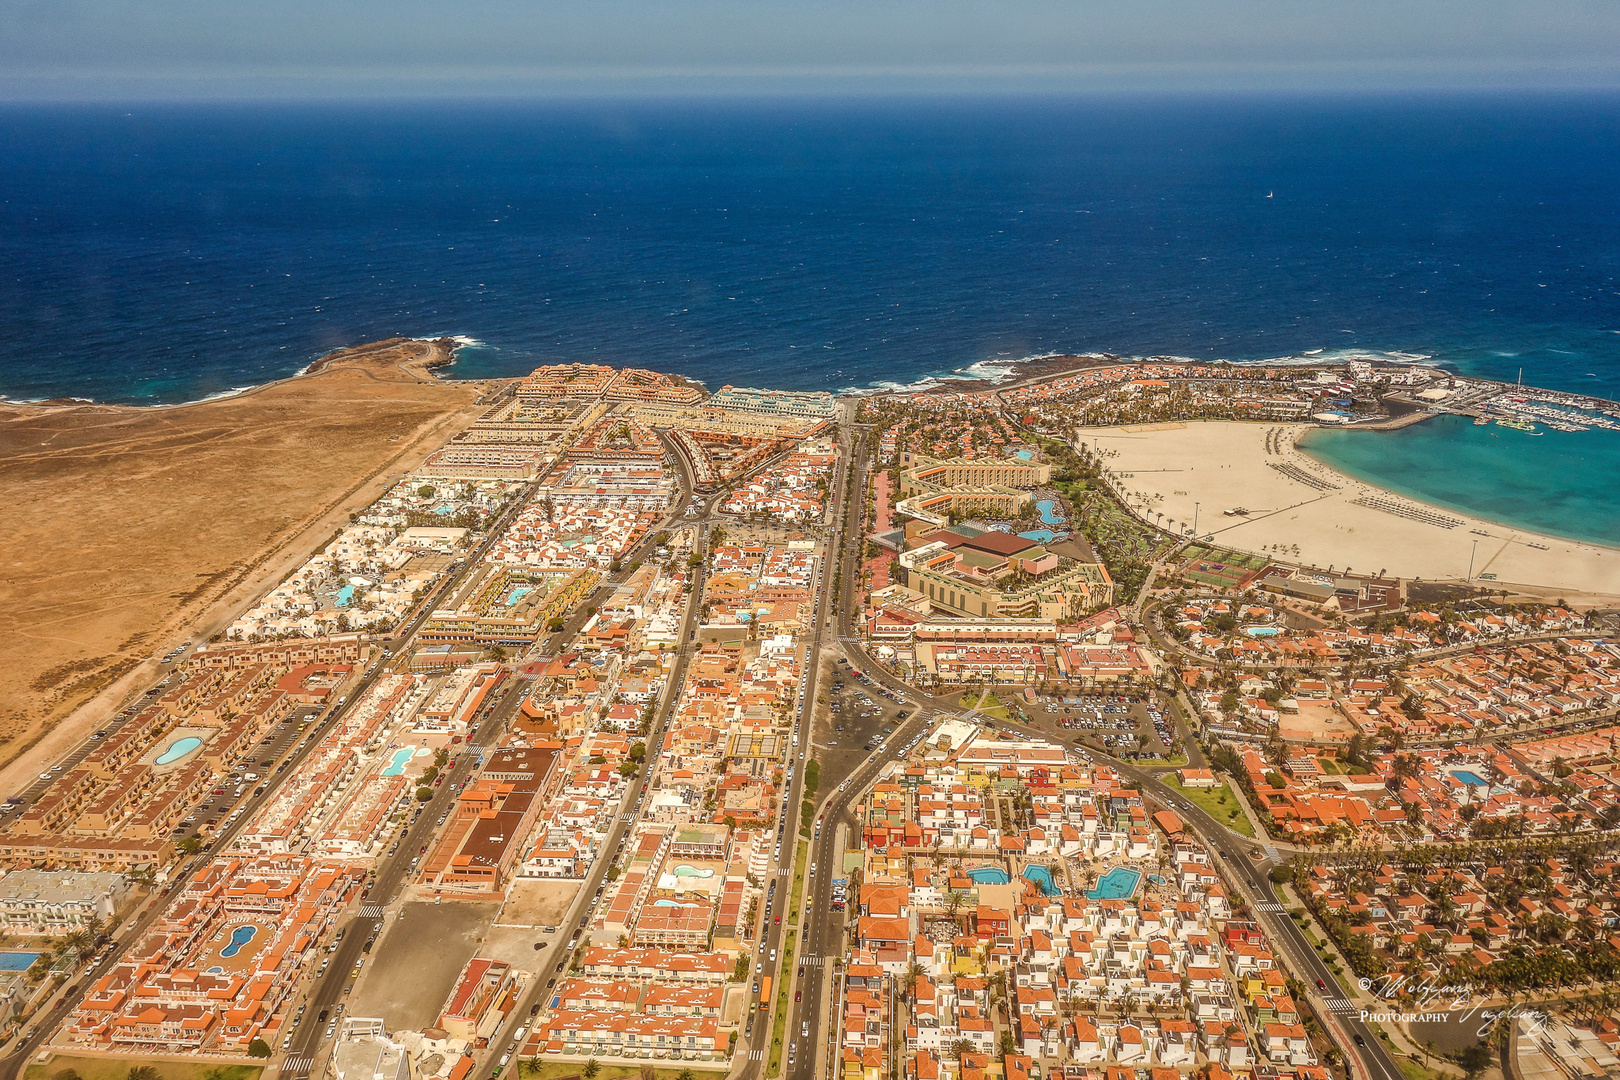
(297, 1063)
(1342, 1006)
(756, 1055)
(1271, 905)
(1272, 853)
(371, 911)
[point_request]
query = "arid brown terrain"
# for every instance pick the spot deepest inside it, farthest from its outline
(130, 529)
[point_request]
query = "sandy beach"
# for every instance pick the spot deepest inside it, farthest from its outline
(136, 528)
(1335, 519)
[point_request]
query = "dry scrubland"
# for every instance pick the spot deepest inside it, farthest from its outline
(130, 527)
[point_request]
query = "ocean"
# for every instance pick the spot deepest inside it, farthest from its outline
(153, 254)
(1554, 482)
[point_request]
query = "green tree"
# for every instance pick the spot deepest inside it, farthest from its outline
(258, 1048)
(143, 1072)
(592, 1067)
(424, 794)
(1475, 1059)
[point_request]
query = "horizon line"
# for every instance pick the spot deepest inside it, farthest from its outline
(1090, 81)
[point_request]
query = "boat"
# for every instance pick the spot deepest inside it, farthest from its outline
(1481, 421)
(1516, 424)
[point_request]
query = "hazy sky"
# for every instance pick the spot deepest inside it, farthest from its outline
(118, 48)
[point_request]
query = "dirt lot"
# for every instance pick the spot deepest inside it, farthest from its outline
(415, 965)
(531, 903)
(130, 529)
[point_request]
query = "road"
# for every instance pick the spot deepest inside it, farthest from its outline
(1331, 1000)
(325, 991)
(1254, 877)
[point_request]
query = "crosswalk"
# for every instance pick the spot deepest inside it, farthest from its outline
(1272, 906)
(1341, 1006)
(813, 961)
(371, 911)
(295, 1064)
(756, 1055)
(1272, 853)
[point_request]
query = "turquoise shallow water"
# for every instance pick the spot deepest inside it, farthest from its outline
(1559, 483)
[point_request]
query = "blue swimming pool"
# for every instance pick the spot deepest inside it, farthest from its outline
(178, 749)
(396, 764)
(1049, 514)
(345, 596)
(1472, 779)
(1117, 884)
(17, 961)
(239, 937)
(1042, 876)
(989, 875)
(1262, 631)
(1042, 536)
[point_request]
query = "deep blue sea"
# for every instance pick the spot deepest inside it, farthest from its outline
(164, 253)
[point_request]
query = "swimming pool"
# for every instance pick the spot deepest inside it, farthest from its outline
(1262, 631)
(1042, 536)
(1117, 884)
(685, 871)
(1049, 514)
(178, 749)
(988, 875)
(396, 764)
(239, 937)
(1042, 876)
(17, 961)
(517, 594)
(345, 596)
(1472, 779)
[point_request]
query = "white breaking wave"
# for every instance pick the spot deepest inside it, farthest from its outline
(463, 341)
(217, 395)
(1006, 370)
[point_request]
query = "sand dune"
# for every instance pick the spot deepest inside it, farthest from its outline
(1293, 499)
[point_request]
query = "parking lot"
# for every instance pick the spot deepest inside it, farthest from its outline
(861, 712)
(1139, 727)
(231, 796)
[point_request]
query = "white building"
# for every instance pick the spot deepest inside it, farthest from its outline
(58, 901)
